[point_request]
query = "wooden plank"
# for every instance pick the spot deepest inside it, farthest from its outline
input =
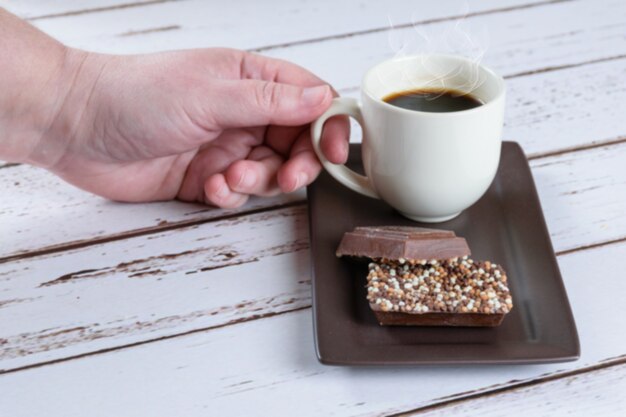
(583, 205)
(249, 24)
(47, 9)
(269, 366)
(270, 385)
(42, 202)
(29, 9)
(153, 284)
(42, 205)
(598, 393)
(519, 42)
(561, 110)
(198, 277)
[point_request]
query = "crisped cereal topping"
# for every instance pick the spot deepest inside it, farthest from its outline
(458, 285)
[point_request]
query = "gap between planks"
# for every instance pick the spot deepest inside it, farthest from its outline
(151, 30)
(144, 231)
(156, 339)
(306, 41)
(531, 72)
(592, 246)
(101, 9)
(513, 386)
(407, 25)
(597, 144)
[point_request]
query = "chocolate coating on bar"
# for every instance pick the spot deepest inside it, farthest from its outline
(439, 319)
(402, 242)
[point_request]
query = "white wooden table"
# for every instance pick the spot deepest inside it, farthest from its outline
(173, 309)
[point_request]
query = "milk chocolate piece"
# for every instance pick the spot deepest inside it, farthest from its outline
(424, 277)
(402, 242)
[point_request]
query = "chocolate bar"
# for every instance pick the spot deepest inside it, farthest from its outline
(424, 277)
(402, 242)
(454, 292)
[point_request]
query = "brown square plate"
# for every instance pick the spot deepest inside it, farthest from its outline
(505, 226)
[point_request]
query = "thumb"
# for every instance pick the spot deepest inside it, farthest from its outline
(245, 103)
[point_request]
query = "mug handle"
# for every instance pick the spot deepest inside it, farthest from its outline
(356, 182)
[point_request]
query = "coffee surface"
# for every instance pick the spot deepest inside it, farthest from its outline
(435, 101)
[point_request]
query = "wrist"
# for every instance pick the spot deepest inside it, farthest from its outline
(29, 86)
(53, 109)
(44, 90)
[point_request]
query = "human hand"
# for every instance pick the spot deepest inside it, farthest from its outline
(209, 125)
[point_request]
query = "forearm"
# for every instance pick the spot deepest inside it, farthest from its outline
(35, 77)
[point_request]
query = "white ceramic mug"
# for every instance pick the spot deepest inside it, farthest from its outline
(429, 166)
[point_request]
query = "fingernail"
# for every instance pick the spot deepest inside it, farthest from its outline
(222, 192)
(301, 179)
(345, 150)
(313, 96)
(247, 180)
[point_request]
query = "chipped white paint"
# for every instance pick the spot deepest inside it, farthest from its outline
(597, 393)
(152, 286)
(240, 24)
(531, 39)
(269, 367)
(57, 213)
(583, 195)
(139, 293)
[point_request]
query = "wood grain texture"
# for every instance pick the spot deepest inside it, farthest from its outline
(268, 366)
(202, 347)
(30, 9)
(536, 113)
(46, 9)
(242, 24)
(594, 393)
(151, 286)
(160, 281)
(59, 214)
(573, 186)
(566, 109)
(519, 42)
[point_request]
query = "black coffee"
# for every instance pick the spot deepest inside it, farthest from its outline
(436, 101)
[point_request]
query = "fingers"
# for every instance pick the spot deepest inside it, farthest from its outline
(282, 138)
(257, 103)
(263, 173)
(335, 139)
(218, 193)
(301, 168)
(253, 176)
(216, 157)
(257, 174)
